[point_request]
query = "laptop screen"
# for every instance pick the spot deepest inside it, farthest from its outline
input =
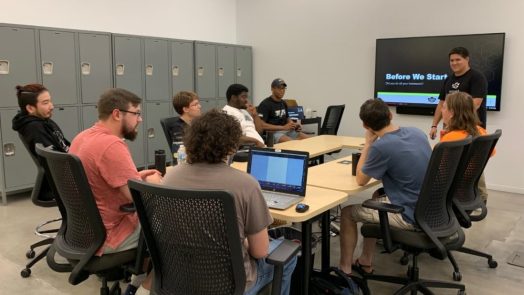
(296, 112)
(279, 170)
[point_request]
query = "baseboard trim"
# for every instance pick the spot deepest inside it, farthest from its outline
(506, 188)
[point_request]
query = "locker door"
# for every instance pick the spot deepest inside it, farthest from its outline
(156, 138)
(128, 68)
(182, 66)
(19, 169)
(89, 116)
(59, 73)
(207, 104)
(244, 67)
(18, 62)
(225, 68)
(220, 102)
(67, 119)
(205, 70)
(157, 69)
(95, 65)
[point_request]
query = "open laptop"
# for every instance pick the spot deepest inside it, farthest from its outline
(282, 175)
(296, 112)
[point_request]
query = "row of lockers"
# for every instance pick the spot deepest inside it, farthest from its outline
(77, 66)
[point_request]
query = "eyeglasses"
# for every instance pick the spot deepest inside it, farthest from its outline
(194, 104)
(139, 114)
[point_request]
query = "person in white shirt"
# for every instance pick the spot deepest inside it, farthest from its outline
(239, 107)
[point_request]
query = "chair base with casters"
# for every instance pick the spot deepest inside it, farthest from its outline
(457, 276)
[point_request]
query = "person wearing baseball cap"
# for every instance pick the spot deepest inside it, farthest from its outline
(273, 111)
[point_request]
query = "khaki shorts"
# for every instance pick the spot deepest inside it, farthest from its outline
(366, 215)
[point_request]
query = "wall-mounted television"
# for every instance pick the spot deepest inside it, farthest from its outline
(409, 72)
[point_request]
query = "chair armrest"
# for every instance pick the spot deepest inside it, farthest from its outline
(380, 206)
(129, 207)
(283, 253)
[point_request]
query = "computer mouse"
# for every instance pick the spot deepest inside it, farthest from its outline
(301, 208)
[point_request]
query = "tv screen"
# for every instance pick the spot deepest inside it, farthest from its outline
(409, 72)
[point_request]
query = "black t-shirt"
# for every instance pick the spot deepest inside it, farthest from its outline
(177, 130)
(472, 82)
(273, 112)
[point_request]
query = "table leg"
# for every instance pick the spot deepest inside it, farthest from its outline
(306, 255)
(325, 241)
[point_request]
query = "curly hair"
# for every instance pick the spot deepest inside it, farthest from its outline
(464, 114)
(375, 114)
(212, 137)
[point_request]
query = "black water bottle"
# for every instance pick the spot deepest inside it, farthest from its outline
(160, 161)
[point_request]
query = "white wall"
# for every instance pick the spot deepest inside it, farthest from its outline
(207, 20)
(325, 51)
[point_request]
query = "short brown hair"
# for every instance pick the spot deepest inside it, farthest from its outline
(116, 98)
(182, 100)
(28, 95)
(464, 114)
(375, 114)
(212, 137)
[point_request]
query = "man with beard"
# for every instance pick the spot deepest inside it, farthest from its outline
(34, 124)
(108, 166)
(246, 114)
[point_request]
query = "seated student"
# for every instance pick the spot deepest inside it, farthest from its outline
(273, 111)
(384, 157)
(209, 141)
(35, 125)
(187, 105)
(239, 107)
(461, 120)
(108, 165)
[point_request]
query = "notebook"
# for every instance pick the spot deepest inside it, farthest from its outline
(296, 112)
(282, 175)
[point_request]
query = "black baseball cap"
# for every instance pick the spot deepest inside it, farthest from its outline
(278, 82)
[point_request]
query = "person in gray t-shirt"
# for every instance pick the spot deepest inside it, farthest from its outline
(398, 156)
(209, 141)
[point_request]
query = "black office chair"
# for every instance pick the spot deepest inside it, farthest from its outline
(41, 196)
(194, 241)
(82, 232)
(332, 120)
(465, 195)
(438, 230)
(167, 125)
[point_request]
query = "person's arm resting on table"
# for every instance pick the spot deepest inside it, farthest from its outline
(362, 178)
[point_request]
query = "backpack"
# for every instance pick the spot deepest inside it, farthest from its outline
(334, 282)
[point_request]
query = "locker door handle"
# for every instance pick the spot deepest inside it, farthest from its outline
(200, 71)
(47, 67)
(120, 69)
(9, 149)
(149, 70)
(221, 72)
(151, 133)
(4, 67)
(175, 71)
(85, 67)
(239, 72)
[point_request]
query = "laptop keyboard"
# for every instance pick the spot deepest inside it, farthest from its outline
(279, 201)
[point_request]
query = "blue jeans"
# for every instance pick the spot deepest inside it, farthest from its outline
(265, 272)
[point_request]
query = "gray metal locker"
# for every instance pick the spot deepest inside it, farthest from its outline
(127, 65)
(95, 65)
(156, 69)
(89, 116)
(182, 66)
(155, 135)
(59, 60)
(244, 67)
(205, 70)
(19, 169)
(220, 102)
(68, 120)
(18, 62)
(225, 68)
(207, 104)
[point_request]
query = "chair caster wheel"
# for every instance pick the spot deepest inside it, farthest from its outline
(457, 276)
(492, 263)
(30, 253)
(26, 272)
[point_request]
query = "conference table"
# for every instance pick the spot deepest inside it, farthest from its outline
(329, 185)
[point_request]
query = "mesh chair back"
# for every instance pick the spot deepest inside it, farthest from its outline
(193, 239)
(464, 189)
(41, 186)
(433, 212)
(332, 119)
(167, 125)
(84, 232)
